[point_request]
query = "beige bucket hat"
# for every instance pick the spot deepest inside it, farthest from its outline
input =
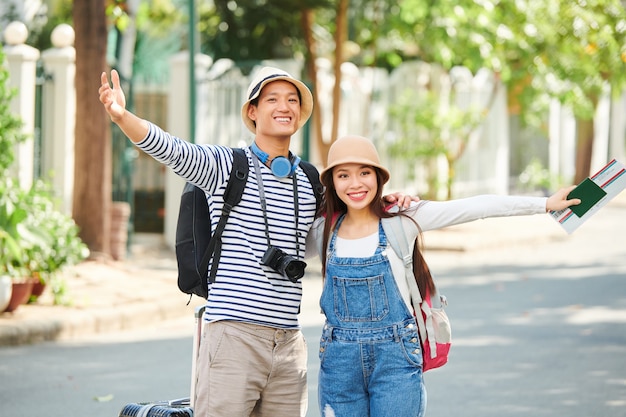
(267, 75)
(352, 149)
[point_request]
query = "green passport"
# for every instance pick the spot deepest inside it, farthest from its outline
(589, 193)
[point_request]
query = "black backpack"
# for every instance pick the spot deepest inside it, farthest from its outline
(195, 245)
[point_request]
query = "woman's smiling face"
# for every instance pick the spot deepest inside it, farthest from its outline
(355, 184)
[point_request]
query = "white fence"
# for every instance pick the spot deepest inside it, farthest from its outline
(366, 96)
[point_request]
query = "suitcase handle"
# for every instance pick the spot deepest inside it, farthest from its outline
(196, 347)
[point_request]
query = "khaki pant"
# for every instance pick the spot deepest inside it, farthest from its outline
(250, 370)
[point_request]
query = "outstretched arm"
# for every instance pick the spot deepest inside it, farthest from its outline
(114, 103)
(432, 215)
(558, 201)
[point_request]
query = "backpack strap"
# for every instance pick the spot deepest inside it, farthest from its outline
(314, 178)
(397, 240)
(394, 231)
(232, 197)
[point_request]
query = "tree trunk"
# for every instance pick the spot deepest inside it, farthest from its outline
(584, 147)
(308, 19)
(340, 39)
(341, 36)
(92, 168)
(584, 143)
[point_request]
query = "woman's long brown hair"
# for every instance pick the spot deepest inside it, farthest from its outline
(333, 207)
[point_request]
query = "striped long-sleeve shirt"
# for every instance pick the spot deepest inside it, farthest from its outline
(244, 289)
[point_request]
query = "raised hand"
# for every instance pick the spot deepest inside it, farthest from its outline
(112, 98)
(114, 101)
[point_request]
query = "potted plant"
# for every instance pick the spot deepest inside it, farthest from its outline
(14, 239)
(57, 243)
(36, 240)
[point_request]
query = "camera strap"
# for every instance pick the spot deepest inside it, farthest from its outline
(259, 180)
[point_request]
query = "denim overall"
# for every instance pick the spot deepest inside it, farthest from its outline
(370, 355)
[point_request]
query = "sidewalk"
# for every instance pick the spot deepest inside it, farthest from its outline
(106, 296)
(109, 296)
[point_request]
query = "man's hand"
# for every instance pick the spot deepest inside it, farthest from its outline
(114, 103)
(401, 199)
(113, 98)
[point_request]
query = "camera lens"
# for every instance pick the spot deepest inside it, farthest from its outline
(280, 262)
(294, 270)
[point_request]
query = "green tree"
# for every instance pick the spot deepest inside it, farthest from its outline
(233, 29)
(310, 28)
(580, 52)
(568, 49)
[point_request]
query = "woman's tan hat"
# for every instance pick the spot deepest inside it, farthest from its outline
(352, 149)
(268, 75)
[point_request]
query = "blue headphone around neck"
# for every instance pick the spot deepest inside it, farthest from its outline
(281, 167)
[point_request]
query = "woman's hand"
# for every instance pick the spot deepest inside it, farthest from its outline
(558, 201)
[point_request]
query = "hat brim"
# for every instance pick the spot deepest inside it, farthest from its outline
(306, 100)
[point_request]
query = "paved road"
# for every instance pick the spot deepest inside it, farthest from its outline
(539, 330)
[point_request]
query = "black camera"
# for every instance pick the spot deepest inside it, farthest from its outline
(279, 261)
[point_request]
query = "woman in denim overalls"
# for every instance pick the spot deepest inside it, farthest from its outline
(370, 344)
(370, 351)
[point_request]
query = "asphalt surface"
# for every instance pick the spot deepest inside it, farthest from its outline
(108, 296)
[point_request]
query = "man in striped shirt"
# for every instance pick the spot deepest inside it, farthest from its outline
(252, 359)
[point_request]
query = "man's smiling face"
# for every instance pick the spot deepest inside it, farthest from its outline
(277, 112)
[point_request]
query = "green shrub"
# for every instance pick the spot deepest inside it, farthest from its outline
(36, 239)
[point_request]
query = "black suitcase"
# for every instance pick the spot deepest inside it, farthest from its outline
(164, 409)
(176, 408)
